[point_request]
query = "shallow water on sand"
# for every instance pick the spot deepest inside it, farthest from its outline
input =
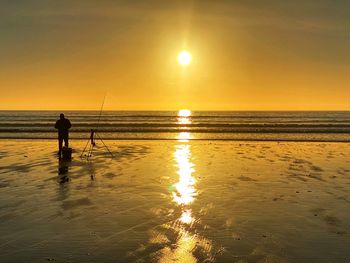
(176, 201)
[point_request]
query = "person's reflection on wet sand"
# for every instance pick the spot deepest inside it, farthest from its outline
(63, 171)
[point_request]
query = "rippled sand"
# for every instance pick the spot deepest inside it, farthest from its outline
(168, 201)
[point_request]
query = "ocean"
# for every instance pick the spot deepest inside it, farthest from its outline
(170, 125)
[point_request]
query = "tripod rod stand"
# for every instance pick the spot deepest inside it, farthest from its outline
(91, 144)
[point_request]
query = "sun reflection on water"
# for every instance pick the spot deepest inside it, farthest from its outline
(184, 244)
(186, 217)
(184, 113)
(184, 118)
(185, 191)
(184, 137)
(184, 194)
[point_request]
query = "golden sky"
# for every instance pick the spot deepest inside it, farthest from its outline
(246, 55)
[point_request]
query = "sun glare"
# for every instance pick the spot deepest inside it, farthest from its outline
(184, 113)
(184, 57)
(184, 117)
(183, 136)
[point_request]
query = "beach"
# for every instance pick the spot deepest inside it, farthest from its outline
(175, 201)
(174, 131)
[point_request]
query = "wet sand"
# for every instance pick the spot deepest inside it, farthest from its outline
(169, 201)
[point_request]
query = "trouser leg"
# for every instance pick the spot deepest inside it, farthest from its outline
(60, 143)
(66, 141)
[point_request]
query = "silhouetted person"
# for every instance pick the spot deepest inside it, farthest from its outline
(62, 125)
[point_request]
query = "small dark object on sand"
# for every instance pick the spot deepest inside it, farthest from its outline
(67, 153)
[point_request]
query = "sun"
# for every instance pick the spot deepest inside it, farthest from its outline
(184, 58)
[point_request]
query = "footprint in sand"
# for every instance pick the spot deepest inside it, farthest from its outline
(111, 175)
(69, 204)
(246, 178)
(316, 168)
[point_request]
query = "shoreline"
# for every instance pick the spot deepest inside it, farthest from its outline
(179, 140)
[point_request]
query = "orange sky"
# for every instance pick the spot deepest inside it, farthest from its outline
(247, 55)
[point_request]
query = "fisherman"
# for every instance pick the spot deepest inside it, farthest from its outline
(62, 125)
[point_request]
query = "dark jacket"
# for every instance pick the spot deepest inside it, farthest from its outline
(63, 125)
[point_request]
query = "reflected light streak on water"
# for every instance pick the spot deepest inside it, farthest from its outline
(184, 113)
(186, 243)
(185, 191)
(184, 195)
(184, 117)
(184, 120)
(186, 217)
(184, 137)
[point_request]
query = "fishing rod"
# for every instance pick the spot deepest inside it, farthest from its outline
(103, 103)
(91, 141)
